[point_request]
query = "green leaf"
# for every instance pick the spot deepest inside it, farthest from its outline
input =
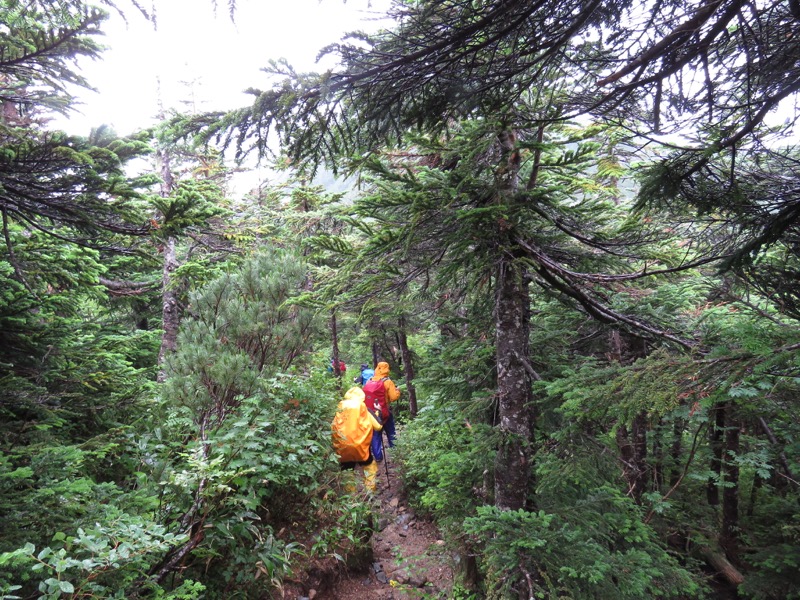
(66, 587)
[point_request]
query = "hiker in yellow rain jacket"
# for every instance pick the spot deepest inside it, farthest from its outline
(351, 431)
(380, 392)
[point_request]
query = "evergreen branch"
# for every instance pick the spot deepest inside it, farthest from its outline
(671, 41)
(560, 280)
(543, 259)
(686, 466)
(12, 258)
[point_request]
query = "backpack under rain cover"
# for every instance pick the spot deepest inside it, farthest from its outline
(351, 432)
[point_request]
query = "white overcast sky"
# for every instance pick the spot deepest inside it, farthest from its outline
(221, 58)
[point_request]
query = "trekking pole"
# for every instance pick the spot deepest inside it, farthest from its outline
(385, 462)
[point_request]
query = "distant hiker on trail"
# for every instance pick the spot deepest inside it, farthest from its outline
(365, 375)
(379, 392)
(342, 367)
(352, 433)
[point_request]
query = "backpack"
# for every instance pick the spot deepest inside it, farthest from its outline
(375, 393)
(365, 376)
(351, 433)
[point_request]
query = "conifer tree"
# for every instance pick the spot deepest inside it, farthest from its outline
(447, 62)
(189, 202)
(51, 180)
(457, 219)
(518, 95)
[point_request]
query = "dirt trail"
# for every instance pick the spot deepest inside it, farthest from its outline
(410, 559)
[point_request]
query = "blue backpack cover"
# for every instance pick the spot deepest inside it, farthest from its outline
(366, 374)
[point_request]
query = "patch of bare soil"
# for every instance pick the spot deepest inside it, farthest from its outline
(410, 560)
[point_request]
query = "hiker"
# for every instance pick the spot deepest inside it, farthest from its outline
(342, 367)
(352, 433)
(364, 376)
(380, 391)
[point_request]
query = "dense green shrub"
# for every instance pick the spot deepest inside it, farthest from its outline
(593, 547)
(228, 476)
(102, 562)
(444, 459)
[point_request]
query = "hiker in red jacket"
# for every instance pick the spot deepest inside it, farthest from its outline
(342, 367)
(380, 391)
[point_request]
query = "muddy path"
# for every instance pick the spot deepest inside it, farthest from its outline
(410, 560)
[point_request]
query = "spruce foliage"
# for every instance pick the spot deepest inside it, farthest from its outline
(605, 355)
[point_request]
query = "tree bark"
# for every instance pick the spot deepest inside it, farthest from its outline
(716, 433)
(466, 571)
(639, 430)
(729, 536)
(675, 452)
(175, 556)
(170, 306)
(632, 444)
(633, 452)
(376, 355)
(722, 566)
(512, 346)
(337, 371)
(513, 386)
(658, 457)
(751, 507)
(170, 311)
(625, 452)
(408, 367)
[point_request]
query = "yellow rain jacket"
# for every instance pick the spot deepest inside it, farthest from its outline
(352, 428)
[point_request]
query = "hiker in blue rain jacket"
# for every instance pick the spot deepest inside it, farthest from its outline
(364, 376)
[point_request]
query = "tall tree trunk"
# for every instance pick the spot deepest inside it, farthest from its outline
(170, 305)
(625, 453)
(633, 452)
(632, 443)
(170, 301)
(751, 507)
(512, 327)
(639, 431)
(729, 537)
(512, 308)
(658, 456)
(337, 371)
(716, 433)
(376, 355)
(675, 452)
(408, 366)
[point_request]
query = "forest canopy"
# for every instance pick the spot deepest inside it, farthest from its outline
(572, 236)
